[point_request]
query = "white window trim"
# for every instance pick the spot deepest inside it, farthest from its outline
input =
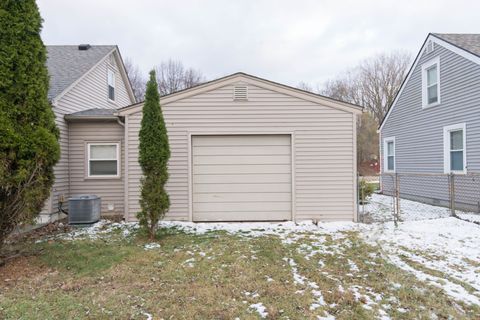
(385, 155)
(446, 147)
(88, 145)
(425, 67)
(110, 71)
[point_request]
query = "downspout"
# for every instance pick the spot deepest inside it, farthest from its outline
(125, 163)
(119, 121)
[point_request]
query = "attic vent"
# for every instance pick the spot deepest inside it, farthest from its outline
(84, 47)
(240, 92)
(429, 47)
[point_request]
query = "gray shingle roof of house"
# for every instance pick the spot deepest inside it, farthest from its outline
(66, 64)
(94, 112)
(468, 42)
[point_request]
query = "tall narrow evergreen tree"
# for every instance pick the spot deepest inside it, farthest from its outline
(153, 158)
(28, 135)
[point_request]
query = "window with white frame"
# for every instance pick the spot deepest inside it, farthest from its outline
(389, 154)
(454, 143)
(111, 85)
(431, 82)
(103, 160)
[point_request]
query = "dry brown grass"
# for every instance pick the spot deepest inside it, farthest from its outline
(118, 279)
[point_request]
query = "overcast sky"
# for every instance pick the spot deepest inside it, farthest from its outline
(284, 41)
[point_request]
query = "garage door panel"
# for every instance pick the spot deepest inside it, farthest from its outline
(243, 159)
(241, 150)
(241, 140)
(238, 188)
(243, 178)
(243, 216)
(225, 207)
(246, 196)
(245, 169)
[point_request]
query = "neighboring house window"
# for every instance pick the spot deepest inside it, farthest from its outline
(454, 143)
(103, 160)
(111, 85)
(431, 83)
(389, 154)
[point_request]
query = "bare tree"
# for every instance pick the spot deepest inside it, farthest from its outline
(137, 80)
(305, 86)
(172, 76)
(372, 84)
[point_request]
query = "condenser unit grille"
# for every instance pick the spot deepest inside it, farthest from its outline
(84, 209)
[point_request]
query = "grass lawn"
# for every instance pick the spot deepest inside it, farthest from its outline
(216, 275)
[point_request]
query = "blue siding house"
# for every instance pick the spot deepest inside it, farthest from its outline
(433, 125)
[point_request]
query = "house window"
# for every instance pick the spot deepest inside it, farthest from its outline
(431, 83)
(103, 160)
(111, 85)
(389, 154)
(454, 140)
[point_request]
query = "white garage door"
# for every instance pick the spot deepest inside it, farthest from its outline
(242, 178)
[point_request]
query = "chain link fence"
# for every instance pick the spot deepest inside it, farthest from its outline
(418, 196)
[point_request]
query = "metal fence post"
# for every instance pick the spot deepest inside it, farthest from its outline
(452, 194)
(363, 198)
(397, 183)
(395, 201)
(358, 198)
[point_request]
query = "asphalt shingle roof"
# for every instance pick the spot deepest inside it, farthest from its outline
(66, 64)
(94, 112)
(468, 42)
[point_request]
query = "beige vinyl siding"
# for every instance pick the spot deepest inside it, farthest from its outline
(111, 190)
(241, 178)
(90, 92)
(323, 141)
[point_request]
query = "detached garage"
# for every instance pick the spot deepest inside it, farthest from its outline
(248, 149)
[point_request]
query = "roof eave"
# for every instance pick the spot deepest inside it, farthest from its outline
(73, 118)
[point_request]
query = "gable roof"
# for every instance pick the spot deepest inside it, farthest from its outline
(239, 76)
(467, 41)
(67, 64)
(465, 45)
(95, 113)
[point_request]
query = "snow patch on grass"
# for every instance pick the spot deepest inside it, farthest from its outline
(449, 246)
(353, 266)
(258, 229)
(379, 208)
(311, 285)
(151, 246)
(260, 309)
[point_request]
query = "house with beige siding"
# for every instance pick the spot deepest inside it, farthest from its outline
(81, 78)
(242, 149)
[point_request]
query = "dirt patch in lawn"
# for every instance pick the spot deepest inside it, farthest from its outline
(21, 268)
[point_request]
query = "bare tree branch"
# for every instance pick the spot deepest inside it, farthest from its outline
(137, 80)
(172, 77)
(305, 86)
(372, 84)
